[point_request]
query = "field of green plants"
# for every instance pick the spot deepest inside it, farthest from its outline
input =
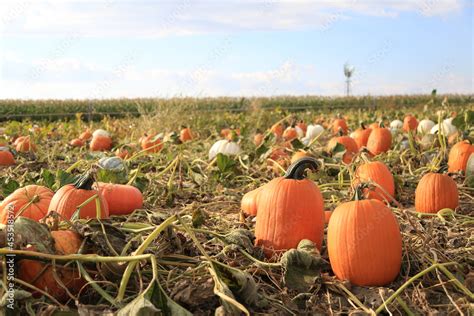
(279, 206)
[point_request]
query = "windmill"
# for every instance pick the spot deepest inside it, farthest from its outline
(348, 71)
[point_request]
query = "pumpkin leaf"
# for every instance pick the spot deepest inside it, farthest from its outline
(63, 178)
(242, 238)
(30, 232)
(48, 178)
(225, 163)
(339, 148)
(18, 295)
(297, 144)
(154, 301)
(105, 175)
(9, 185)
(462, 122)
(301, 266)
(262, 149)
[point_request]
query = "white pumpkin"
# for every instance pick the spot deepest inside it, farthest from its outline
(396, 124)
(447, 128)
(225, 147)
(299, 131)
(100, 132)
(425, 126)
(314, 131)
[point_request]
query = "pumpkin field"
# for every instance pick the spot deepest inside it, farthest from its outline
(262, 211)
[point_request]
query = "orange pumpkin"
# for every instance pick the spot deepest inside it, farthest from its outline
(86, 135)
(152, 144)
(327, 217)
(349, 144)
(31, 201)
(298, 155)
(290, 133)
(380, 141)
(361, 136)
(6, 157)
(185, 134)
(258, 139)
(290, 208)
(459, 155)
(364, 243)
(124, 152)
(339, 126)
(24, 144)
(410, 123)
(100, 143)
(66, 200)
(76, 142)
(378, 173)
(435, 192)
(41, 275)
(277, 130)
(121, 199)
(374, 125)
(250, 201)
(303, 126)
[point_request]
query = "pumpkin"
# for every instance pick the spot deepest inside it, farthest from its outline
(298, 155)
(361, 136)
(229, 133)
(410, 123)
(250, 201)
(225, 147)
(339, 126)
(86, 135)
(185, 134)
(425, 126)
(380, 141)
(348, 143)
(327, 217)
(41, 275)
(6, 157)
(100, 143)
(152, 144)
(396, 124)
(258, 139)
(447, 128)
(364, 243)
(66, 200)
(31, 201)
(312, 132)
(374, 125)
(278, 153)
(125, 151)
(121, 199)
(277, 130)
(290, 133)
(100, 132)
(378, 173)
(25, 144)
(435, 192)
(302, 126)
(459, 155)
(76, 142)
(290, 208)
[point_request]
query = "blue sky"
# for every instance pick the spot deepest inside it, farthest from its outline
(92, 49)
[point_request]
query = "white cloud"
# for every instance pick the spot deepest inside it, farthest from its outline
(187, 17)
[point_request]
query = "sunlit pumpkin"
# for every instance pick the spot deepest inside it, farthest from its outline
(290, 133)
(250, 201)
(25, 144)
(258, 139)
(100, 143)
(225, 147)
(41, 275)
(435, 192)
(277, 130)
(185, 134)
(6, 157)
(380, 141)
(378, 173)
(410, 123)
(152, 144)
(364, 243)
(67, 199)
(425, 126)
(459, 155)
(86, 135)
(339, 126)
(348, 143)
(76, 142)
(303, 126)
(361, 136)
(298, 155)
(290, 208)
(31, 201)
(122, 199)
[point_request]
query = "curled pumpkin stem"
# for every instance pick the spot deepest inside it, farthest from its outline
(359, 190)
(297, 170)
(85, 181)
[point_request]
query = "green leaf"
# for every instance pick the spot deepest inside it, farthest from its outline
(240, 283)
(198, 218)
(9, 185)
(297, 144)
(470, 172)
(301, 266)
(63, 178)
(225, 163)
(48, 178)
(153, 301)
(462, 122)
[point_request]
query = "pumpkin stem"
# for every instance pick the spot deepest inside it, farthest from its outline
(362, 125)
(297, 169)
(359, 191)
(85, 181)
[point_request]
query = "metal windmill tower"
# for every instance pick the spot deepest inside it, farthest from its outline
(348, 72)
